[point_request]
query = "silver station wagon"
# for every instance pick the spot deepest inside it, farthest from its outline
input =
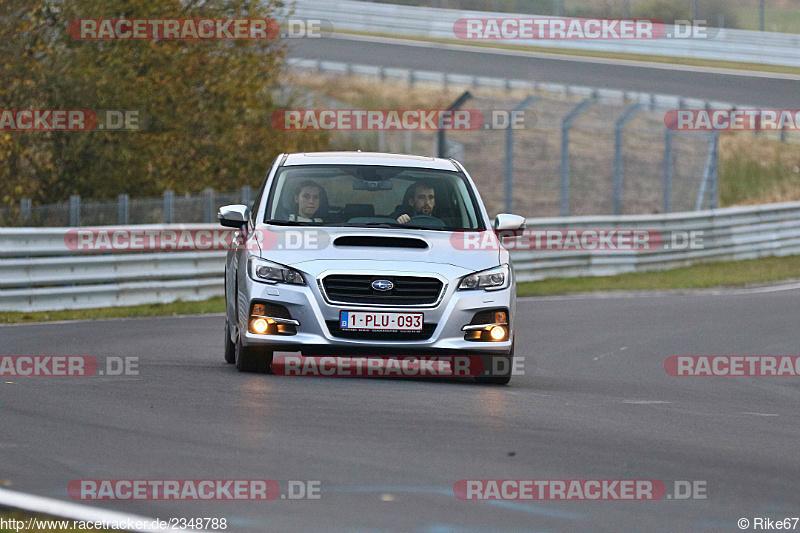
(369, 254)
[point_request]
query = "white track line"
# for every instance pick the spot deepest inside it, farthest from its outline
(72, 511)
(655, 294)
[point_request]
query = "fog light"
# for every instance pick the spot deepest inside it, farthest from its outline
(497, 333)
(259, 325)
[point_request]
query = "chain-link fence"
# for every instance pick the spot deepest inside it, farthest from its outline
(569, 156)
(168, 208)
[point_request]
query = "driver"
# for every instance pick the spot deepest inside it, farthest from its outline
(307, 200)
(421, 202)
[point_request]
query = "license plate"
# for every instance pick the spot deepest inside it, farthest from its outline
(368, 321)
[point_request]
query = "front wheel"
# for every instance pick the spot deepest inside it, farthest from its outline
(252, 359)
(230, 347)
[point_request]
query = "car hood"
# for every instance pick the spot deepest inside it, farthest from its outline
(403, 249)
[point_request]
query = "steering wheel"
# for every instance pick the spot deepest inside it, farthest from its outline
(426, 220)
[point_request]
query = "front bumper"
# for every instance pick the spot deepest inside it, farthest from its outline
(306, 304)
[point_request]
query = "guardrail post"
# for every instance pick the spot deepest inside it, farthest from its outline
(707, 185)
(25, 208)
(169, 203)
(509, 203)
(247, 194)
(441, 145)
(208, 195)
(783, 134)
(123, 211)
(411, 79)
(618, 159)
(566, 124)
(74, 210)
(668, 133)
(408, 142)
(713, 201)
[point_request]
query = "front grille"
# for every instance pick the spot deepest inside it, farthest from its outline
(336, 330)
(357, 289)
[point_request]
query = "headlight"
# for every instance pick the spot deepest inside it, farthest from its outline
(492, 280)
(269, 272)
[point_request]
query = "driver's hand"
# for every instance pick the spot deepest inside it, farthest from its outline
(403, 219)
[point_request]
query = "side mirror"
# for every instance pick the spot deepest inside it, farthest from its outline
(233, 216)
(505, 222)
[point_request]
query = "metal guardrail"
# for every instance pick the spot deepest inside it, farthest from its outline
(653, 101)
(390, 19)
(39, 272)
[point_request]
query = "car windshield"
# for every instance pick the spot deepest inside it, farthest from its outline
(381, 196)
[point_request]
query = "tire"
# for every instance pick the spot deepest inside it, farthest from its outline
(500, 379)
(251, 359)
(230, 347)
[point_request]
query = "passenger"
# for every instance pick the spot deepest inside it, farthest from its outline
(307, 202)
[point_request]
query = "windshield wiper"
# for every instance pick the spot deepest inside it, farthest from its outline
(374, 225)
(393, 225)
(288, 223)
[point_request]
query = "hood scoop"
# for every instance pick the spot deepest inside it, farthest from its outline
(380, 242)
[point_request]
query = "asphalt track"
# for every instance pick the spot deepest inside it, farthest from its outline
(764, 90)
(595, 403)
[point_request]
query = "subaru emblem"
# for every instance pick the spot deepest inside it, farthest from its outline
(382, 285)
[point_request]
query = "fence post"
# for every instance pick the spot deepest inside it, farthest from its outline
(618, 159)
(247, 194)
(381, 140)
(668, 170)
(169, 202)
(409, 148)
(509, 203)
(566, 124)
(441, 145)
(713, 201)
(209, 205)
(707, 185)
(74, 210)
(123, 210)
(25, 208)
